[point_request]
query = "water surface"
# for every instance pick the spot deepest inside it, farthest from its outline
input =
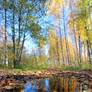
(57, 84)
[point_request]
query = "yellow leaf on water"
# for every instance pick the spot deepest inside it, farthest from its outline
(10, 84)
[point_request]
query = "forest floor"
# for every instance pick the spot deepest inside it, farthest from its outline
(17, 78)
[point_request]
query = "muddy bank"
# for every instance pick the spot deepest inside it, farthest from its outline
(18, 80)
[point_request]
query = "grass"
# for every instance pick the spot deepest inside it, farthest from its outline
(81, 67)
(12, 71)
(32, 68)
(27, 68)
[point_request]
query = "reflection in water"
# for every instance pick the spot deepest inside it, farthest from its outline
(61, 84)
(47, 86)
(58, 85)
(29, 88)
(41, 86)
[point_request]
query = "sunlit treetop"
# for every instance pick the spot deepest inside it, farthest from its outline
(56, 6)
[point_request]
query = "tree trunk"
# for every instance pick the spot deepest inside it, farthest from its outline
(88, 40)
(65, 34)
(19, 37)
(57, 47)
(13, 38)
(79, 47)
(61, 43)
(5, 61)
(76, 53)
(22, 45)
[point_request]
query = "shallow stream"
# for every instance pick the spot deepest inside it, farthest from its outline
(56, 84)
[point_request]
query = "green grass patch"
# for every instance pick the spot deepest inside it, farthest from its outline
(25, 68)
(81, 67)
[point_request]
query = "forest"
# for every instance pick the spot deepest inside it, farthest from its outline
(45, 45)
(41, 34)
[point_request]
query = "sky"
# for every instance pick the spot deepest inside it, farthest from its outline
(45, 22)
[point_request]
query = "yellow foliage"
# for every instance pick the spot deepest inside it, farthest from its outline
(55, 7)
(53, 46)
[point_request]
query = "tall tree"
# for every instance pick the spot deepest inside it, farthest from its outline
(83, 23)
(62, 51)
(13, 8)
(5, 10)
(65, 33)
(72, 27)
